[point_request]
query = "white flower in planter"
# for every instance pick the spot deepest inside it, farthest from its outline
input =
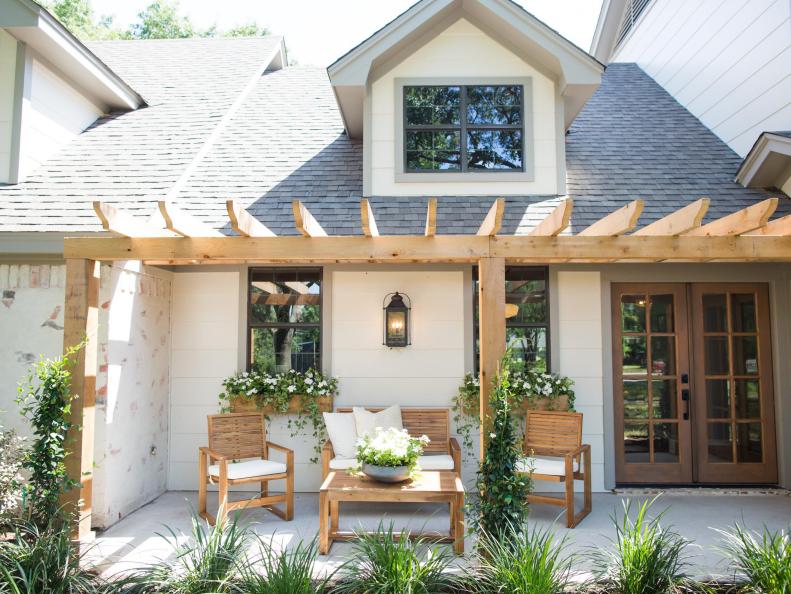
(291, 389)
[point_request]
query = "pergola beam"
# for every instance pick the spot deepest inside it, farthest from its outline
(678, 222)
(741, 221)
(122, 223)
(305, 222)
(244, 223)
(183, 223)
(431, 218)
(556, 221)
(494, 219)
(778, 227)
(441, 248)
(616, 223)
(367, 219)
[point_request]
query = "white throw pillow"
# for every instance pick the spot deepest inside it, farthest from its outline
(342, 431)
(367, 422)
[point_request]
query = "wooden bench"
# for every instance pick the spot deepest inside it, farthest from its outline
(432, 422)
(551, 434)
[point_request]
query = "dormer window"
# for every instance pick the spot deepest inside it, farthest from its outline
(460, 128)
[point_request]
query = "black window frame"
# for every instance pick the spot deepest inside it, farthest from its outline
(251, 324)
(546, 324)
(462, 129)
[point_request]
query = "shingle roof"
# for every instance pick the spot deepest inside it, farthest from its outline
(286, 141)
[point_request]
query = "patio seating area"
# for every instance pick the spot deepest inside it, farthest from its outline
(695, 514)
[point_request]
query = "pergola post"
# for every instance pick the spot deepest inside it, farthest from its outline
(80, 322)
(491, 316)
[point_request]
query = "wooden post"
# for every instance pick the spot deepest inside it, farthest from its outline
(81, 321)
(491, 316)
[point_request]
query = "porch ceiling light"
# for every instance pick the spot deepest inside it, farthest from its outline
(396, 320)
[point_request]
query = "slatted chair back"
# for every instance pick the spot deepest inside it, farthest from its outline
(238, 435)
(431, 422)
(549, 432)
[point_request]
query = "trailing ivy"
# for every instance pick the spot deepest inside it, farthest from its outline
(501, 507)
(45, 399)
(277, 391)
(527, 387)
(11, 458)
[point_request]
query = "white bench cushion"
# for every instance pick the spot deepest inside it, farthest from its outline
(249, 468)
(432, 462)
(545, 465)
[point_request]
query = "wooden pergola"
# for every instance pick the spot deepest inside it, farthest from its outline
(174, 237)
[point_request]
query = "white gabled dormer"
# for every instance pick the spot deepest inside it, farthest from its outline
(463, 97)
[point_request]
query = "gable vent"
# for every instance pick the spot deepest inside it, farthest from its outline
(632, 12)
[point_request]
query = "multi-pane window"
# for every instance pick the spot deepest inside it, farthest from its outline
(527, 332)
(464, 128)
(284, 319)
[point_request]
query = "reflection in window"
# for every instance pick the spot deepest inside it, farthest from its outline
(527, 332)
(284, 320)
(464, 128)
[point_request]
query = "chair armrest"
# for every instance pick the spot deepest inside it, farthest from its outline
(455, 453)
(583, 448)
(327, 447)
(212, 454)
(279, 448)
(327, 454)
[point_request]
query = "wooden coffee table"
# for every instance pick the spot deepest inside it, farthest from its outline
(435, 486)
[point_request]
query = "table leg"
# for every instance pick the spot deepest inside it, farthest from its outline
(324, 516)
(334, 513)
(458, 528)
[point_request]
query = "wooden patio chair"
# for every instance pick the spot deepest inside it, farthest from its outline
(555, 452)
(238, 454)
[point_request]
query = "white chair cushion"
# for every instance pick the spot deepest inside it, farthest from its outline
(367, 422)
(342, 431)
(545, 465)
(433, 462)
(249, 468)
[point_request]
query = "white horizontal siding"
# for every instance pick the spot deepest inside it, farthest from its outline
(728, 62)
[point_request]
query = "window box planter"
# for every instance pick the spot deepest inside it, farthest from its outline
(244, 404)
(560, 403)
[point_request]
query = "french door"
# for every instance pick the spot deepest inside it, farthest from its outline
(693, 384)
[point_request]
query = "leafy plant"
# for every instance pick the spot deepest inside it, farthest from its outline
(385, 563)
(392, 447)
(208, 562)
(764, 559)
(527, 387)
(277, 390)
(45, 399)
(11, 456)
(283, 572)
(44, 559)
(530, 562)
(647, 558)
(501, 507)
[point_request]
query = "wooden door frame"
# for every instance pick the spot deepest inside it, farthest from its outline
(681, 473)
(765, 472)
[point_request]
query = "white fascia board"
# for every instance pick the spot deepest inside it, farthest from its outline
(766, 162)
(603, 42)
(47, 36)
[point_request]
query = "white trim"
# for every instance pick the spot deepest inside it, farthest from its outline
(766, 163)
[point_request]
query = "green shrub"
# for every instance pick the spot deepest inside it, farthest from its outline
(527, 562)
(282, 572)
(764, 559)
(647, 558)
(501, 507)
(380, 564)
(45, 399)
(209, 562)
(38, 560)
(11, 457)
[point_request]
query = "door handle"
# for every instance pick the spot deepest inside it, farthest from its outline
(685, 396)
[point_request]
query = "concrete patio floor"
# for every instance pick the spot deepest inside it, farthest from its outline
(134, 541)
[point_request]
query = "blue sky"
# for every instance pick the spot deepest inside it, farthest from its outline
(319, 31)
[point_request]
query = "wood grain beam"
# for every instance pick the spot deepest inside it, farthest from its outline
(778, 227)
(431, 218)
(741, 221)
(305, 222)
(244, 223)
(678, 222)
(616, 223)
(556, 221)
(367, 219)
(81, 322)
(122, 223)
(183, 223)
(494, 219)
(491, 332)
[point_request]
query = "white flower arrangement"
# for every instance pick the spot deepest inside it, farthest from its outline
(390, 447)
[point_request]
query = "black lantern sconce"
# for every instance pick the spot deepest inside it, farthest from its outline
(396, 320)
